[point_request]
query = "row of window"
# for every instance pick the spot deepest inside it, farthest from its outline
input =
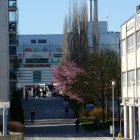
(130, 43)
(130, 78)
(40, 41)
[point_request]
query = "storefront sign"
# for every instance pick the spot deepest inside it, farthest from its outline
(36, 49)
(37, 65)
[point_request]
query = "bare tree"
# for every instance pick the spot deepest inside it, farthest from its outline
(65, 49)
(76, 36)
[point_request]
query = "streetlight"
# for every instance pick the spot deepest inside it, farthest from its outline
(113, 84)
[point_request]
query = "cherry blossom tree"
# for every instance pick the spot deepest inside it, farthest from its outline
(64, 77)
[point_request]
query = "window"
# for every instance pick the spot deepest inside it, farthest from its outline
(20, 61)
(12, 3)
(33, 41)
(131, 78)
(130, 44)
(42, 41)
(12, 50)
(123, 46)
(12, 16)
(123, 79)
(138, 39)
(138, 77)
(55, 60)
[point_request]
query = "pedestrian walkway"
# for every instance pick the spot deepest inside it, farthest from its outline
(52, 124)
(65, 137)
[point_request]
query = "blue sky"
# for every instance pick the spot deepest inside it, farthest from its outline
(47, 16)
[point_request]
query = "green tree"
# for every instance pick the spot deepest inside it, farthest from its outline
(16, 110)
(95, 84)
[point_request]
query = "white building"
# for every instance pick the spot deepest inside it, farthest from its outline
(130, 69)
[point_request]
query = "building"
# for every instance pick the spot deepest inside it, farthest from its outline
(99, 37)
(38, 56)
(13, 42)
(8, 31)
(130, 70)
(4, 52)
(108, 40)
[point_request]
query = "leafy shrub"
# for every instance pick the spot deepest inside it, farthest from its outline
(97, 112)
(16, 110)
(14, 126)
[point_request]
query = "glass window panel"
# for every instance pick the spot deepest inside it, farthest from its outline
(12, 16)
(124, 79)
(138, 39)
(123, 46)
(130, 43)
(138, 77)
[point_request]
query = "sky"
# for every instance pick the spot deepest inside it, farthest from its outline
(47, 16)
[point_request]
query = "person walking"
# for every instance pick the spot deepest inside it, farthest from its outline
(32, 116)
(77, 123)
(27, 95)
(66, 110)
(95, 126)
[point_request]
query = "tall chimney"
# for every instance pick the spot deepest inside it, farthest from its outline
(95, 26)
(90, 10)
(138, 8)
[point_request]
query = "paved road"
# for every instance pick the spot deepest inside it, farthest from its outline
(51, 123)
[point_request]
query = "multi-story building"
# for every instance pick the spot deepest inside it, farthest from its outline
(130, 70)
(12, 32)
(4, 50)
(38, 55)
(8, 30)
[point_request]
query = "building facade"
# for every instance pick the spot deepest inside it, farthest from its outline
(8, 43)
(130, 70)
(4, 50)
(13, 42)
(38, 55)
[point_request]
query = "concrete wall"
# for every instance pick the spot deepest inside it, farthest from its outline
(16, 136)
(4, 50)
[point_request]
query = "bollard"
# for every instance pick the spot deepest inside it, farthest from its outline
(120, 135)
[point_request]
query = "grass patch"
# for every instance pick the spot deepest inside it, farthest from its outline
(87, 124)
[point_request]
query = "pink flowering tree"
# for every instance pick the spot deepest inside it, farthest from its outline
(65, 76)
